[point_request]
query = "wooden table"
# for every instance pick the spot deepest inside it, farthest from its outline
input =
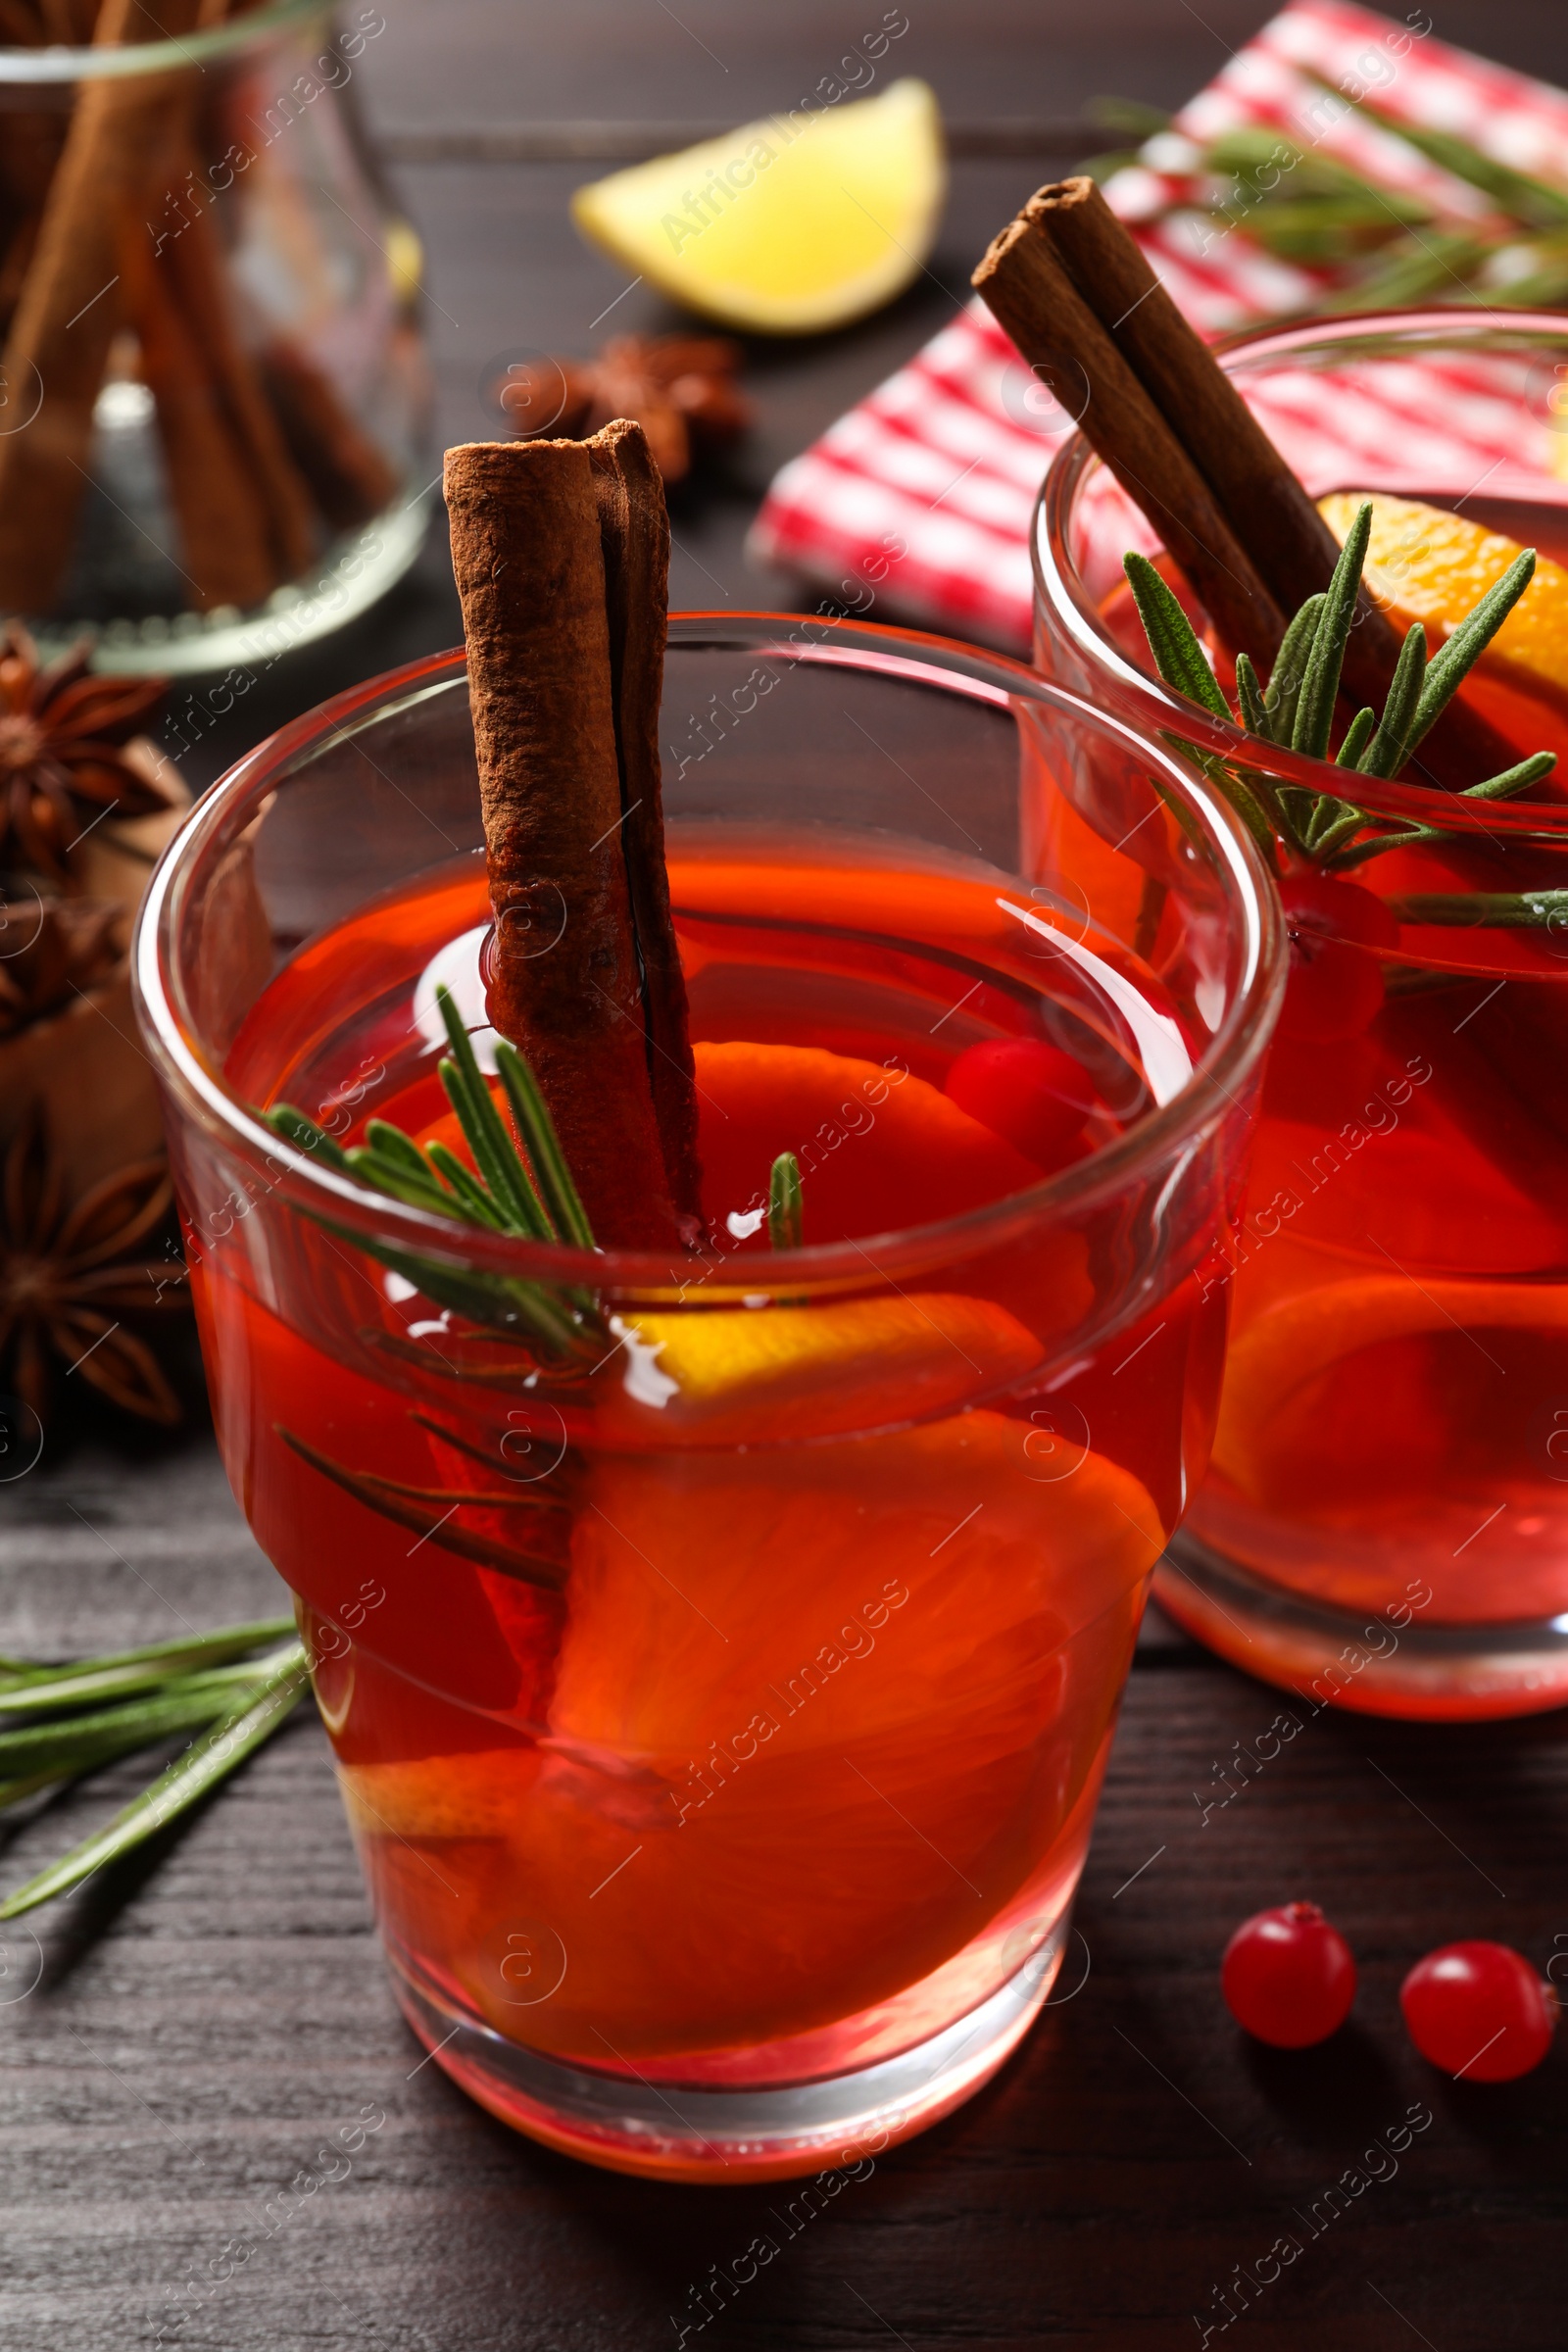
(186, 2035)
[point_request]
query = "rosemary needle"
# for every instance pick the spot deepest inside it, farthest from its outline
(786, 1214)
(73, 1744)
(46, 1689)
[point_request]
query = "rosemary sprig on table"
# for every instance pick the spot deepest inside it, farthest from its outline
(56, 1728)
(1296, 712)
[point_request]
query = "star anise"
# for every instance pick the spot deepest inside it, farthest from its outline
(680, 389)
(71, 1272)
(61, 733)
(51, 950)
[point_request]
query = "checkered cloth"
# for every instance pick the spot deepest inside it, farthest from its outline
(927, 485)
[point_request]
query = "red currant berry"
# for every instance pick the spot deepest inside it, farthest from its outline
(1334, 986)
(1288, 1976)
(1033, 1093)
(1478, 2010)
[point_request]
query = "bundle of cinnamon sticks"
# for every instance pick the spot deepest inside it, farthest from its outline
(1072, 288)
(258, 450)
(561, 551)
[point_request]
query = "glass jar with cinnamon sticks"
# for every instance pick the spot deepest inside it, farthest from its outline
(1384, 1525)
(213, 390)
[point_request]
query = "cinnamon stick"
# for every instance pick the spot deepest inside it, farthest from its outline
(227, 551)
(347, 474)
(566, 973)
(120, 141)
(1027, 286)
(1291, 544)
(634, 537)
(195, 262)
(1291, 547)
(13, 267)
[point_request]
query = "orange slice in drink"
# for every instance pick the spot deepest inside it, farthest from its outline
(879, 1148)
(1427, 564)
(813, 1724)
(1300, 1339)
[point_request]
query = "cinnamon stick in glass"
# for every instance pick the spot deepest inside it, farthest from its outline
(1026, 285)
(573, 938)
(350, 478)
(199, 282)
(1273, 515)
(634, 537)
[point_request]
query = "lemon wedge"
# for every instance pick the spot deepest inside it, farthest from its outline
(789, 225)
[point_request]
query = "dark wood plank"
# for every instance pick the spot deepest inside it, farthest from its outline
(471, 66)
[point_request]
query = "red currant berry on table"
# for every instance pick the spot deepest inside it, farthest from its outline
(1478, 2010)
(1032, 1093)
(1334, 986)
(1288, 1976)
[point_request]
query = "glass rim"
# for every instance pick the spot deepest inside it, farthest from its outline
(32, 68)
(196, 1081)
(1144, 696)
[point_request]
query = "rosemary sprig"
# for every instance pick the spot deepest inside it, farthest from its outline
(1325, 830)
(72, 1745)
(428, 1514)
(1387, 246)
(258, 1710)
(1531, 203)
(521, 1188)
(46, 1689)
(523, 1185)
(59, 1729)
(1494, 911)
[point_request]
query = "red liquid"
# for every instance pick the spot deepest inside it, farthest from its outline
(791, 1756)
(1394, 1431)
(1394, 1420)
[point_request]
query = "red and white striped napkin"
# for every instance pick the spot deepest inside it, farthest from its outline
(927, 485)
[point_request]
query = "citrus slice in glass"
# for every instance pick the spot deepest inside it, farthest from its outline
(1424, 564)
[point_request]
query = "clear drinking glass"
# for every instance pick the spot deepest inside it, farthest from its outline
(1385, 1525)
(721, 1714)
(222, 454)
